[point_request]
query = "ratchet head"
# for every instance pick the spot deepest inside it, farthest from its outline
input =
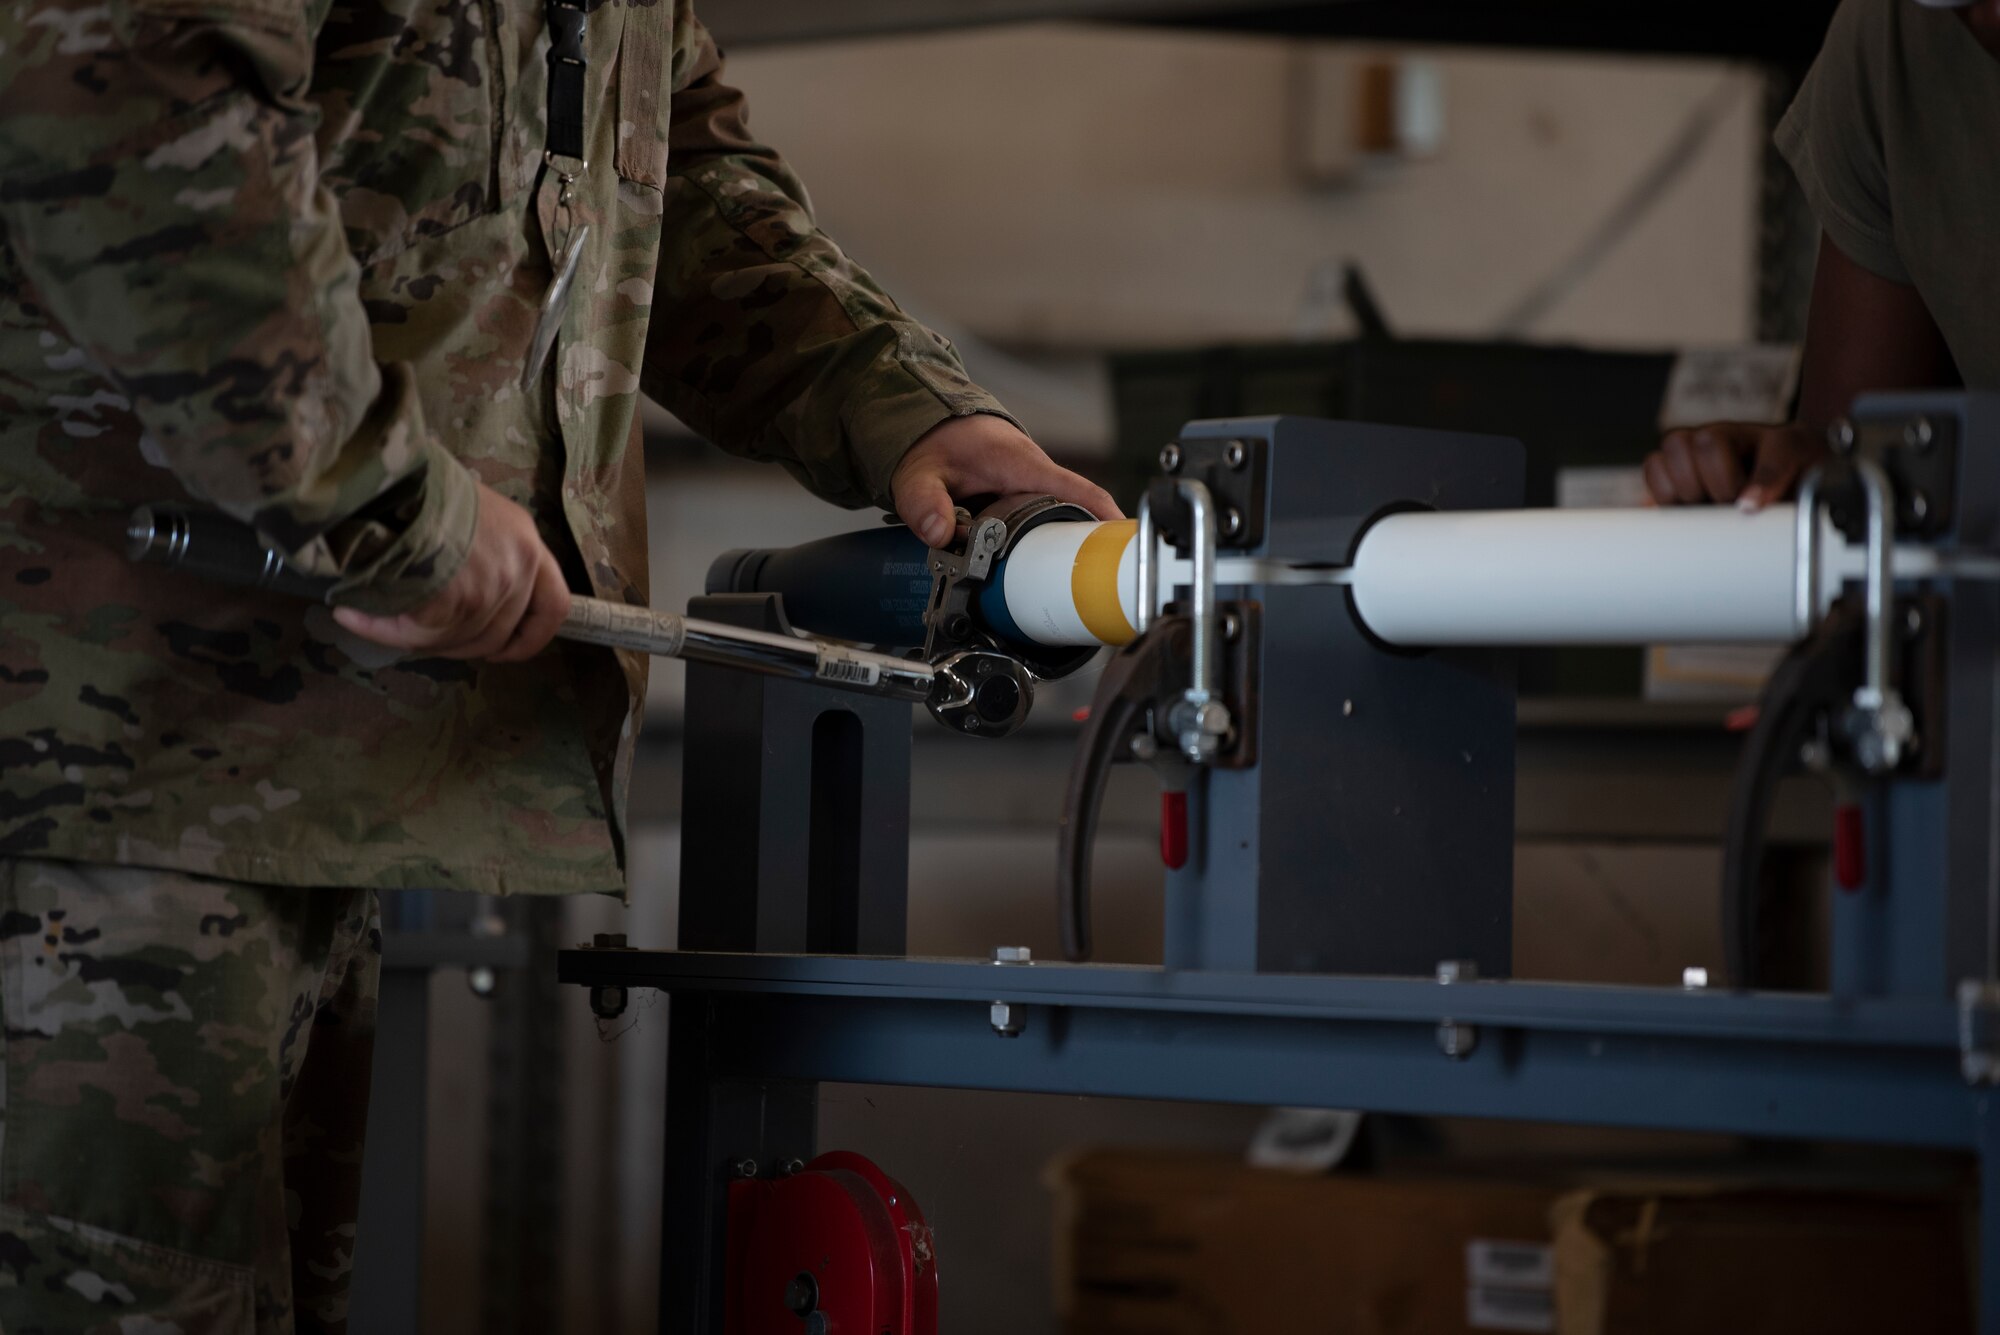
(981, 693)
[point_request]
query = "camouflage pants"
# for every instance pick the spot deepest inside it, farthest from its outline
(185, 1091)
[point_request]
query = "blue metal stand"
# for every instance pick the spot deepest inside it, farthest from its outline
(749, 1029)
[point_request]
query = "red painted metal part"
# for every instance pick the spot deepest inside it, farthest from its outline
(1850, 846)
(837, 1247)
(1173, 829)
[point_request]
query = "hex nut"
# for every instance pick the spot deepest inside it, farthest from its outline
(1006, 1019)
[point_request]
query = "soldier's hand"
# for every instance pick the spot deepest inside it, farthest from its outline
(1750, 465)
(504, 604)
(981, 455)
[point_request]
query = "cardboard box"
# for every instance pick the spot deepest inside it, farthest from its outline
(1167, 1243)
(1661, 1260)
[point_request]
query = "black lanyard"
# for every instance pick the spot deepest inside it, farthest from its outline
(567, 66)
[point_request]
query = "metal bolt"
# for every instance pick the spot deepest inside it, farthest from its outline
(1234, 455)
(1347, 709)
(1694, 978)
(1919, 434)
(1920, 506)
(1232, 626)
(1456, 1040)
(1841, 436)
(744, 1168)
(1170, 459)
(802, 1295)
(1013, 955)
(1457, 971)
(1144, 746)
(1232, 522)
(480, 978)
(1913, 619)
(609, 941)
(958, 625)
(1006, 1019)
(791, 1167)
(607, 1002)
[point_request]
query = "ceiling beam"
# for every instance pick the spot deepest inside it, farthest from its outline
(1783, 31)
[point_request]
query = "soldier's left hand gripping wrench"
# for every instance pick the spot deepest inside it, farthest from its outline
(979, 692)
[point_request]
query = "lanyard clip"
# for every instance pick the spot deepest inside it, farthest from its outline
(568, 65)
(566, 26)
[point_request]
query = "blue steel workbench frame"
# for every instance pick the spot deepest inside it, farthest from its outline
(750, 1036)
(1903, 1050)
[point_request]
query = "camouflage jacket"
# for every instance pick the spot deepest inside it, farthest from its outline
(284, 260)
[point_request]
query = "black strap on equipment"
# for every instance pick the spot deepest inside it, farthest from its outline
(568, 66)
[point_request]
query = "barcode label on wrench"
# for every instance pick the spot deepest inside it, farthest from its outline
(836, 666)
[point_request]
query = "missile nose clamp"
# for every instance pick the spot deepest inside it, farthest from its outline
(983, 688)
(962, 571)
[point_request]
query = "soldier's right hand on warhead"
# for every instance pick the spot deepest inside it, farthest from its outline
(504, 604)
(1727, 463)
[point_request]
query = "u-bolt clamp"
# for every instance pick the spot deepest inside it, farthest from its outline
(1881, 725)
(1199, 720)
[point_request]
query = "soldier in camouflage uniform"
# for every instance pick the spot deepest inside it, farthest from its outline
(285, 260)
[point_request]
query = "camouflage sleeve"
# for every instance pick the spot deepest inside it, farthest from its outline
(159, 187)
(766, 338)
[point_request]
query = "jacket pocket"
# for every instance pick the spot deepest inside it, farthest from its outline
(412, 100)
(70, 1276)
(645, 50)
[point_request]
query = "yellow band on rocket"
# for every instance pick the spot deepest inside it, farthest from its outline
(1074, 584)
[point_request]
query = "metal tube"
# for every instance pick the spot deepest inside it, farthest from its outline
(805, 660)
(1146, 559)
(1201, 508)
(1807, 554)
(1877, 591)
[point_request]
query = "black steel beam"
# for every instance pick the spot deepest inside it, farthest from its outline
(1785, 32)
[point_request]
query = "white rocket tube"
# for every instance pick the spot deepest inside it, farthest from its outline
(1074, 584)
(1695, 575)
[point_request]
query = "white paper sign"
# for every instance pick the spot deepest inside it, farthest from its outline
(1752, 383)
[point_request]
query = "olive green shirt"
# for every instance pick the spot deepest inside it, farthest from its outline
(1895, 137)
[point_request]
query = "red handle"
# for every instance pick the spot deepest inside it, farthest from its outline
(1173, 830)
(1850, 847)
